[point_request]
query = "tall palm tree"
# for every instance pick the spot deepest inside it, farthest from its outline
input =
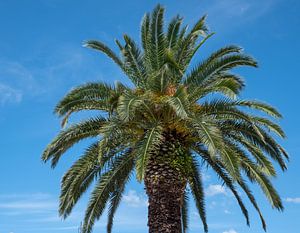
(172, 119)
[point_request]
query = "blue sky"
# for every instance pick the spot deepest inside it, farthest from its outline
(41, 58)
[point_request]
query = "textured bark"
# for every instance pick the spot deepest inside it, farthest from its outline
(165, 186)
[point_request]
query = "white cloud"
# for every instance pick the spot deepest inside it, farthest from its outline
(227, 212)
(55, 228)
(205, 176)
(240, 9)
(25, 203)
(35, 196)
(16, 76)
(230, 231)
(215, 189)
(36, 212)
(44, 77)
(9, 94)
(133, 199)
(53, 217)
(28, 205)
(293, 200)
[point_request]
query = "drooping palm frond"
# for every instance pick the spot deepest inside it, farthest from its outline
(195, 182)
(68, 137)
(106, 185)
(115, 200)
(97, 45)
(179, 102)
(185, 212)
(208, 133)
(256, 175)
(78, 178)
(91, 96)
(221, 172)
(227, 84)
(149, 143)
(214, 66)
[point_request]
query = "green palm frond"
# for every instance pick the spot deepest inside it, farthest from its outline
(190, 44)
(198, 46)
(185, 212)
(256, 175)
(195, 182)
(97, 45)
(151, 140)
(208, 134)
(115, 200)
(269, 125)
(173, 31)
(247, 131)
(68, 137)
(187, 45)
(133, 61)
(230, 161)
(78, 178)
(128, 105)
(179, 102)
(266, 108)
(106, 185)
(253, 202)
(227, 84)
(145, 26)
(90, 96)
(230, 49)
(210, 68)
(221, 172)
(158, 39)
(200, 26)
(116, 137)
(257, 153)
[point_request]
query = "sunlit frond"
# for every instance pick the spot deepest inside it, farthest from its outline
(70, 136)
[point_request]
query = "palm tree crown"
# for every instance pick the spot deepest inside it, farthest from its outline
(194, 111)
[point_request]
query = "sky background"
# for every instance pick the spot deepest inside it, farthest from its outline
(41, 58)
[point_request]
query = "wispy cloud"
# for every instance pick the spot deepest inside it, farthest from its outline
(218, 226)
(9, 95)
(232, 13)
(15, 79)
(230, 231)
(28, 205)
(227, 211)
(67, 228)
(215, 189)
(53, 217)
(243, 8)
(35, 212)
(293, 200)
(35, 196)
(44, 76)
(133, 199)
(205, 176)
(16, 204)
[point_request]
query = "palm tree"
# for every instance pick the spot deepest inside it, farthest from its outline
(172, 120)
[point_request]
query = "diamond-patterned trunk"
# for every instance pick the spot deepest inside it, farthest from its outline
(165, 185)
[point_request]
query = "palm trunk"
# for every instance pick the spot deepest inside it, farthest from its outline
(165, 187)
